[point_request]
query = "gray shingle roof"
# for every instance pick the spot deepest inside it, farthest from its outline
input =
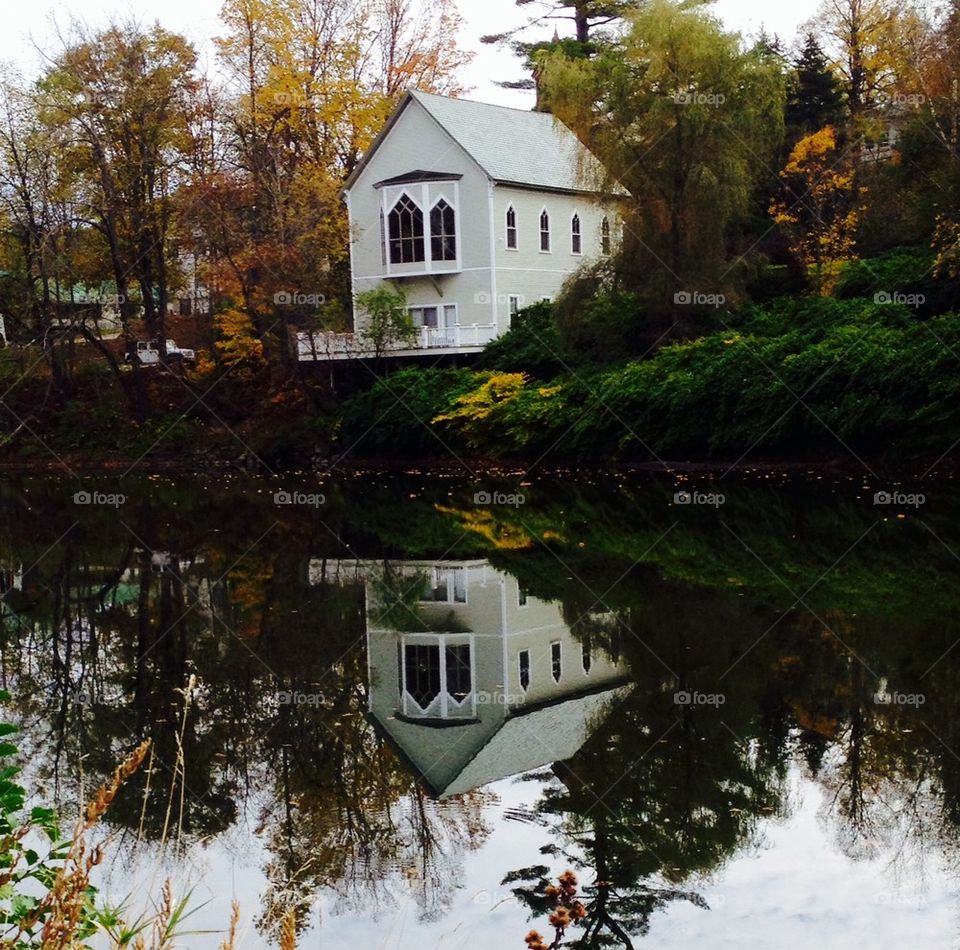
(527, 741)
(512, 145)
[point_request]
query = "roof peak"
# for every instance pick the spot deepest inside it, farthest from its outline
(418, 93)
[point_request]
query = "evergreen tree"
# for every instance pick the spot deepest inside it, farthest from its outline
(815, 99)
(588, 17)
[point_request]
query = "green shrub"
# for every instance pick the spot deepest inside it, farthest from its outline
(531, 345)
(907, 271)
(806, 378)
(394, 416)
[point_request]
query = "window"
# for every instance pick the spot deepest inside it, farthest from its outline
(406, 232)
(523, 658)
(586, 657)
(511, 228)
(555, 665)
(521, 597)
(576, 243)
(422, 664)
(448, 585)
(425, 316)
(443, 240)
(436, 675)
(605, 235)
(458, 671)
(544, 230)
(442, 316)
(513, 304)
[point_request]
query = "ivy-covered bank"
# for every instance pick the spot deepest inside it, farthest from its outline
(796, 378)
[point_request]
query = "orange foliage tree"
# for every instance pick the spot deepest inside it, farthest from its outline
(820, 205)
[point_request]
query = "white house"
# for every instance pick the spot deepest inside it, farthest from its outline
(473, 211)
(478, 680)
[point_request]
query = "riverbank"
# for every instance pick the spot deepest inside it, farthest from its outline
(796, 384)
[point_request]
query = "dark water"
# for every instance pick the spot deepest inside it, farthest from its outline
(400, 708)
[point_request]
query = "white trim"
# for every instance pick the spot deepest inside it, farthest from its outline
(386, 231)
(493, 252)
(504, 670)
(425, 211)
(383, 257)
(458, 237)
(469, 270)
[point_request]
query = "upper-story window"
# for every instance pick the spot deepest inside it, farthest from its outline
(544, 230)
(605, 235)
(511, 228)
(443, 238)
(576, 239)
(436, 673)
(405, 224)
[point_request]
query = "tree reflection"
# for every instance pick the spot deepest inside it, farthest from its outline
(106, 619)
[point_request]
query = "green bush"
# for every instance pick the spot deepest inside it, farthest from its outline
(907, 271)
(394, 416)
(531, 345)
(805, 378)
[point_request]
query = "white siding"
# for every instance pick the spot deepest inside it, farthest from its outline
(486, 273)
(528, 271)
(417, 142)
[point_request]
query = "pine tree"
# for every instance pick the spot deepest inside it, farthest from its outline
(589, 17)
(815, 99)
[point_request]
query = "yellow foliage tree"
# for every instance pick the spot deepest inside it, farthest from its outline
(476, 410)
(946, 242)
(820, 205)
(237, 345)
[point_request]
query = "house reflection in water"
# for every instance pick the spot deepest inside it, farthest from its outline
(471, 679)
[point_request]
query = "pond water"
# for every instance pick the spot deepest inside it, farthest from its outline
(399, 707)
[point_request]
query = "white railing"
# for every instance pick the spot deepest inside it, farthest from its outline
(329, 345)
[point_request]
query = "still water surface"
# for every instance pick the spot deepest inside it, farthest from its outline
(401, 710)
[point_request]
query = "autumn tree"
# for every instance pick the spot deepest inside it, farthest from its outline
(125, 97)
(311, 85)
(820, 205)
(415, 46)
(684, 120)
(857, 35)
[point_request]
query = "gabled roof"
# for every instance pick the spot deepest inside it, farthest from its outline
(512, 146)
(553, 732)
(525, 739)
